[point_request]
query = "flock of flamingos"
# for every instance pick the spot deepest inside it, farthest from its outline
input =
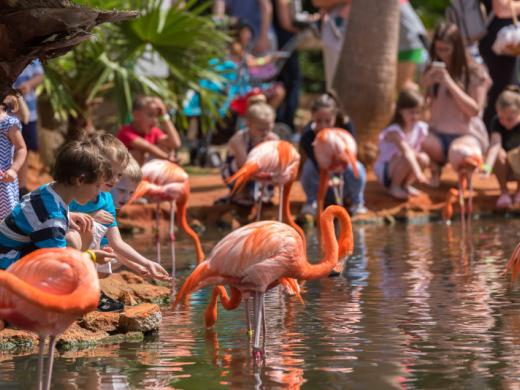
(46, 291)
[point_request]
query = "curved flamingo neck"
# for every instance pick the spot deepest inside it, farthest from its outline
(287, 211)
(210, 315)
(183, 222)
(322, 192)
(329, 243)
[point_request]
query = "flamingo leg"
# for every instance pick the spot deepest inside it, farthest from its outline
(248, 317)
(172, 235)
(41, 349)
(259, 302)
(280, 204)
(335, 189)
(461, 201)
(341, 189)
(158, 232)
(50, 363)
(470, 200)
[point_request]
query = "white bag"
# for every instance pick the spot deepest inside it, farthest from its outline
(507, 42)
(470, 17)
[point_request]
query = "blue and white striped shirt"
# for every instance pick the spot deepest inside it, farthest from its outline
(40, 220)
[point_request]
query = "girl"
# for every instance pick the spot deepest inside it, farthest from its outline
(12, 155)
(401, 162)
(260, 122)
(324, 114)
(457, 88)
(504, 152)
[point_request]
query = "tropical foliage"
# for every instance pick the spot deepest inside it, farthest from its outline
(111, 65)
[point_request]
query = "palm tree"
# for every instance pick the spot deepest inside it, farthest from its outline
(108, 67)
(366, 72)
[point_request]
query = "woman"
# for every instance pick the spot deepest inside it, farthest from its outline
(456, 88)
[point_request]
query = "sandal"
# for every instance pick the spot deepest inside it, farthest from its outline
(504, 201)
(412, 191)
(399, 193)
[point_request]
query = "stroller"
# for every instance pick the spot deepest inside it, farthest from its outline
(241, 82)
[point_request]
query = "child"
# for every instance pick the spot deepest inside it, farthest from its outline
(12, 155)
(126, 255)
(324, 114)
(401, 162)
(457, 88)
(143, 138)
(260, 122)
(41, 219)
(504, 152)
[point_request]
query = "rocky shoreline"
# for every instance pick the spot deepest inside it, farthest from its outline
(141, 316)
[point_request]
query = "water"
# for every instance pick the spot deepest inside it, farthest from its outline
(418, 306)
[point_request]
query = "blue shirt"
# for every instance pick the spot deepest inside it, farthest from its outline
(104, 201)
(40, 220)
(33, 69)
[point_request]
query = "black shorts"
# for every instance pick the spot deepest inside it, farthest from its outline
(30, 135)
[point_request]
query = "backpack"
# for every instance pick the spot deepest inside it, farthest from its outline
(470, 17)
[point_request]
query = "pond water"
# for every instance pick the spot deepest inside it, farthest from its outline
(418, 306)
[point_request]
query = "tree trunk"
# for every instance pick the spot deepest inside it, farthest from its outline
(366, 73)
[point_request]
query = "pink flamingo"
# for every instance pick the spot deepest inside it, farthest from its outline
(253, 259)
(335, 149)
(166, 181)
(464, 155)
(272, 162)
(45, 292)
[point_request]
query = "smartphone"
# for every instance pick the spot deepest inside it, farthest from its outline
(438, 64)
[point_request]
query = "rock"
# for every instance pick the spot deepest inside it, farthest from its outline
(76, 337)
(143, 318)
(13, 339)
(130, 288)
(99, 321)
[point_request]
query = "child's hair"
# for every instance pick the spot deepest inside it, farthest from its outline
(408, 98)
(10, 104)
(461, 62)
(254, 99)
(111, 148)
(509, 98)
(325, 101)
(260, 111)
(80, 159)
(141, 102)
(133, 171)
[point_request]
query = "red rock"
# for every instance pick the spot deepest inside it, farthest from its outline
(99, 321)
(143, 318)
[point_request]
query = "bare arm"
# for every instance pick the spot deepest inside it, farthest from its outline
(130, 254)
(408, 154)
(266, 11)
(219, 8)
(237, 148)
(492, 153)
(20, 150)
(284, 15)
(31, 84)
(502, 9)
(173, 141)
(145, 146)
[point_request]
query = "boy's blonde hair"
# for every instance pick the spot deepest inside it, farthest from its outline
(260, 111)
(509, 98)
(111, 147)
(133, 171)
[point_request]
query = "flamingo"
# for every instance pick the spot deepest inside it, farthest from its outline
(166, 181)
(513, 264)
(464, 155)
(272, 162)
(335, 149)
(253, 259)
(45, 292)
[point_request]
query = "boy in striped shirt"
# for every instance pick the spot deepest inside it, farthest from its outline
(42, 219)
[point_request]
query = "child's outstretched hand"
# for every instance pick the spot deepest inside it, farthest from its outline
(9, 176)
(103, 217)
(104, 255)
(81, 222)
(157, 272)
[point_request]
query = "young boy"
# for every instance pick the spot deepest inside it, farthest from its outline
(143, 138)
(41, 219)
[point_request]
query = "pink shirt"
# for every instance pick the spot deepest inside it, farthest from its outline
(414, 138)
(127, 135)
(446, 116)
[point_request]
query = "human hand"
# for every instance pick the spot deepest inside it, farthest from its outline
(262, 45)
(421, 178)
(439, 75)
(24, 88)
(103, 217)
(104, 255)
(160, 106)
(156, 271)
(9, 176)
(81, 222)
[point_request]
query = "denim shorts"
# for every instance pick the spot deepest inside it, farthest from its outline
(446, 140)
